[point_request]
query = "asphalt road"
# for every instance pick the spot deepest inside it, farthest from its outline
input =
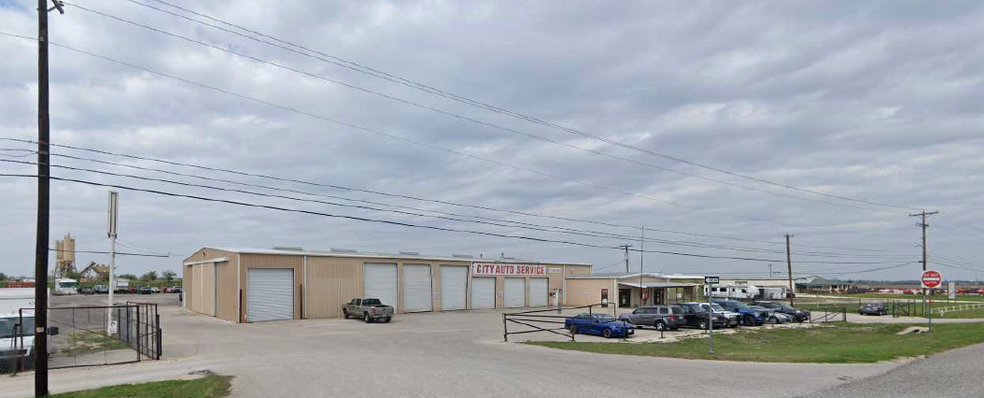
(457, 354)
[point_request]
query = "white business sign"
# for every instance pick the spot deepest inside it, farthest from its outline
(490, 269)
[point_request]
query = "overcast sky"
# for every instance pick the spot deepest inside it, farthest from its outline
(880, 101)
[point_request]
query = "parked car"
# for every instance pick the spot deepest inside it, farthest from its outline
(173, 289)
(749, 316)
(661, 317)
(601, 324)
(771, 316)
(143, 290)
(873, 309)
(101, 289)
(697, 317)
(778, 306)
(155, 290)
(734, 318)
(369, 309)
(86, 290)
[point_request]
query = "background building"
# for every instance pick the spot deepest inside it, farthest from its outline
(251, 285)
(626, 290)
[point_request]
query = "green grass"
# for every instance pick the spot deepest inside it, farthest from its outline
(892, 296)
(206, 387)
(978, 313)
(833, 343)
(82, 343)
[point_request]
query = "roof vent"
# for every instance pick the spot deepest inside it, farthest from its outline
(462, 255)
(291, 248)
(337, 250)
(410, 253)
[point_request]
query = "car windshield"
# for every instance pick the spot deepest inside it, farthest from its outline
(697, 308)
(7, 327)
(68, 284)
(604, 318)
(677, 310)
(785, 306)
(717, 307)
(733, 304)
(371, 302)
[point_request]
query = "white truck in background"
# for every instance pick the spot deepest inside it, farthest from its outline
(65, 286)
(17, 328)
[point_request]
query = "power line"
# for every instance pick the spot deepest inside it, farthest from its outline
(433, 109)
(105, 252)
(372, 220)
(464, 100)
(394, 136)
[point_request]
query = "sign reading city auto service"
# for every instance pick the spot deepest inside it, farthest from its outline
(931, 279)
(508, 269)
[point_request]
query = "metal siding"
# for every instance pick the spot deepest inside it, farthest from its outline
(380, 281)
(208, 288)
(483, 293)
(199, 289)
(416, 288)
(515, 293)
(331, 282)
(270, 294)
(454, 287)
(538, 292)
(226, 293)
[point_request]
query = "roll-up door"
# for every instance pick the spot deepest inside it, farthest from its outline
(379, 281)
(454, 285)
(538, 292)
(515, 293)
(417, 288)
(483, 293)
(199, 288)
(269, 294)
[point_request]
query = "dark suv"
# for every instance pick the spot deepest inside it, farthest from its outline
(749, 315)
(778, 306)
(661, 317)
(697, 317)
(873, 309)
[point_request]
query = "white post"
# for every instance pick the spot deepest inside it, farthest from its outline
(111, 231)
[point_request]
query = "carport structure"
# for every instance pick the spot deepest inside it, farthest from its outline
(634, 290)
(253, 285)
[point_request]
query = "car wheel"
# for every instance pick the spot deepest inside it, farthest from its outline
(365, 317)
(660, 326)
(345, 314)
(607, 333)
(573, 329)
(702, 325)
(773, 320)
(747, 320)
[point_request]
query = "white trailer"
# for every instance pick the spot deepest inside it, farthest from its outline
(734, 292)
(17, 323)
(66, 286)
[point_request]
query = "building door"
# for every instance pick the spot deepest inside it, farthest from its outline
(659, 296)
(417, 288)
(454, 286)
(624, 296)
(515, 293)
(483, 293)
(538, 292)
(269, 294)
(379, 281)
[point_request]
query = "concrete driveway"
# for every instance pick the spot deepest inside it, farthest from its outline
(458, 354)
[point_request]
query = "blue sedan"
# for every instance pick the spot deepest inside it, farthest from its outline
(599, 324)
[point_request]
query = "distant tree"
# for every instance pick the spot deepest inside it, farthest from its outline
(73, 275)
(127, 276)
(150, 276)
(3, 276)
(168, 275)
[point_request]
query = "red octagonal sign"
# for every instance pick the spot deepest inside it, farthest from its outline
(931, 279)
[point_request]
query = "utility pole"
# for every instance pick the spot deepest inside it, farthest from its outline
(41, 247)
(111, 230)
(770, 270)
(789, 265)
(626, 248)
(924, 225)
(642, 259)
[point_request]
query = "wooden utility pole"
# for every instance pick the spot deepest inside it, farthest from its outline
(789, 264)
(41, 247)
(924, 225)
(626, 248)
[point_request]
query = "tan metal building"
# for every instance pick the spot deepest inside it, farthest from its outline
(252, 285)
(633, 290)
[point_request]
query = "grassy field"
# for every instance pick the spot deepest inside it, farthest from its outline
(83, 342)
(834, 343)
(890, 296)
(205, 387)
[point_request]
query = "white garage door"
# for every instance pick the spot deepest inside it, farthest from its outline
(379, 281)
(538, 292)
(515, 293)
(454, 282)
(416, 288)
(269, 294)
(483, 293)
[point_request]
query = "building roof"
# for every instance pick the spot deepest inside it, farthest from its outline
(403, 255)
(648, 285)
(629, 276)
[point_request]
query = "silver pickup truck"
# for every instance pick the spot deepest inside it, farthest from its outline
(369, 309)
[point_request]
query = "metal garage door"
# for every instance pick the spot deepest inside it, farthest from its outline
(538, 292)
(454, 282)
(417, 288)
(515, 293)
(379, 281)
(269, 294)
(483, 293)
